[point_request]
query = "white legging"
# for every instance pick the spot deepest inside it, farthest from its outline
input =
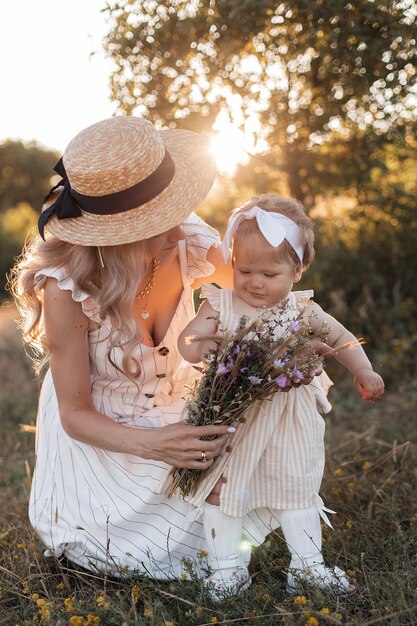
(301, 528)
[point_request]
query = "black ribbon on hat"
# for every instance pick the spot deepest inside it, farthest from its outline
(64, 206)
(69, 202)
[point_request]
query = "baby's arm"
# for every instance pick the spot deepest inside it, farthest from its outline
(368, 383)
(204, 324)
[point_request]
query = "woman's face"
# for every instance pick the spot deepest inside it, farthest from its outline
(162, 245)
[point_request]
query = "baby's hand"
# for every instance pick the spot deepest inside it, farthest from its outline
(369, 385)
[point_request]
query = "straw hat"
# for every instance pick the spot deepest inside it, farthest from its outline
(115, 196)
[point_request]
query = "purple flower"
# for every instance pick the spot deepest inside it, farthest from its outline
(297, 374)
(279, 363)
(236, 350)
(222, 369)
(255, 380)
(243, 369)
(230, 363)
(282, 381)
(295, 326)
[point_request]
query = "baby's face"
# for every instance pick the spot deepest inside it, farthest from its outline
(257, 279)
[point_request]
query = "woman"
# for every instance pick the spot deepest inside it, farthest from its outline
(105, 297)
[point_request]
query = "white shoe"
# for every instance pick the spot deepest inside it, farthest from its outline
(319, 576)
(224, 583)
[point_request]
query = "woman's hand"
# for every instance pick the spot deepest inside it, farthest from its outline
(182, 445)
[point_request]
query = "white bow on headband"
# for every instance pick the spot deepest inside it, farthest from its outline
(275, 227)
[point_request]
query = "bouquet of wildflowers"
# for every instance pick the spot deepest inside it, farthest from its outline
(259, 358)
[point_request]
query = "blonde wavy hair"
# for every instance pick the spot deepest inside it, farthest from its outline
(113, 288)
(290, 208)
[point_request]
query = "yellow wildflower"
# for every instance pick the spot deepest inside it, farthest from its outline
(147, 613)
(338, 472)
(337, 615)
(184, 576)
(44, 610)
(21, 546)
(92, 619)
(136, 592)
(76, 620)
(351, 485)
(69, 604)
(60, 586)
(168, 623)
(312, 621)
(214, 620)
(102, 602)
(199, 610)
(35, 596)
(25, 587)
(300, 600)
(366, 465)
(325, 611)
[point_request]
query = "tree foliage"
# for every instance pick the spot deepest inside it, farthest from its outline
(25, 174)
(304, 68)
(25, 178)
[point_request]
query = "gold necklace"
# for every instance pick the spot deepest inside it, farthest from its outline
(146, 290)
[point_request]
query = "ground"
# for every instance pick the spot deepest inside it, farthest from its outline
(370, 479)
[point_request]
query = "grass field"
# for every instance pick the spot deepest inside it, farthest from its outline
(370, 480)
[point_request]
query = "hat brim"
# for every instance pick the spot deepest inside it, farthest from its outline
(194, 175)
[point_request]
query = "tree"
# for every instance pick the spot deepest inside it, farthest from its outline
(305, 68)
(26, 172)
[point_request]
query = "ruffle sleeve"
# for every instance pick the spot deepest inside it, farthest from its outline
(199, 239)
(66, 283)
(212, 294)
(303, 297)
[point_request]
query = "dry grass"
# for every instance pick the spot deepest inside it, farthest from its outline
(370, 480)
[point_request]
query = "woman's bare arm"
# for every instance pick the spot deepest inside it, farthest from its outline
(66, 329)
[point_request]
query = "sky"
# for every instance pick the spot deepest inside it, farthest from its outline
(50, 86)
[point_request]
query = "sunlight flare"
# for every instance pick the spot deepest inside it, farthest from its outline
(228, 144)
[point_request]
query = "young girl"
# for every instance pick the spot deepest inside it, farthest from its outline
(275, 461)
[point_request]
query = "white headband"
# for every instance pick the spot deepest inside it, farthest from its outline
(273, 226)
